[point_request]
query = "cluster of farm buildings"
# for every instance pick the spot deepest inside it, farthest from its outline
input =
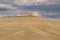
(30, 13)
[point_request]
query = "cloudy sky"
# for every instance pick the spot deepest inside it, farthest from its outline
(44, 7)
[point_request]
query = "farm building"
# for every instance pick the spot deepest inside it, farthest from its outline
(31, 14)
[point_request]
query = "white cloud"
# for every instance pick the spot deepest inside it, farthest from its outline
(41, 1)
(19, 2)
(49, 13)
(30, 2)
(6, 6)
(11, 9)
(3, 15)
(34, 2)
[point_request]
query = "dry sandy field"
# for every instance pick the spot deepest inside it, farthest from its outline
(29, 28)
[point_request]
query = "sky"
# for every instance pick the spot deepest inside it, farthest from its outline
(44, 7)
